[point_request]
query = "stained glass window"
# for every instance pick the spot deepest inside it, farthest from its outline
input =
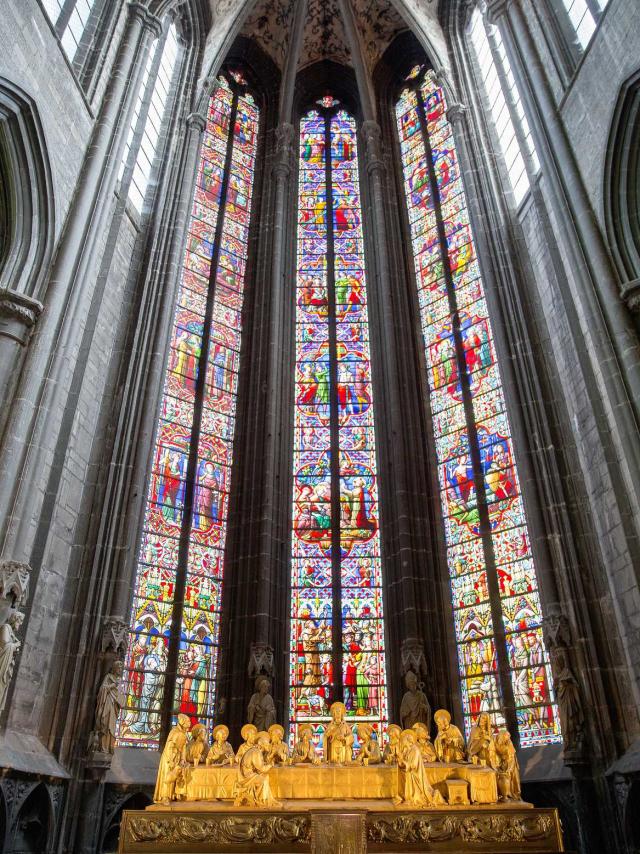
(494, 590)
(173, 643)
(337, 628)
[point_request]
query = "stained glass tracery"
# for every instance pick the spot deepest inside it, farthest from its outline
(337, 630)
(485, 526)
(176, 607)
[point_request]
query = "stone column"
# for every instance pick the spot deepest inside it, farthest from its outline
(607, 323)
(35, 421)
(273, 462)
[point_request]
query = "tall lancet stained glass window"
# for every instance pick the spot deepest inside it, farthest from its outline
(337, 628)
(494, 588)
(173, 644)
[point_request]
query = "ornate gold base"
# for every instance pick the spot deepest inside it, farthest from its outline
(348, 828)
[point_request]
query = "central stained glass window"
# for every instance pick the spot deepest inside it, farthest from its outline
(337, 628)
(172, 654)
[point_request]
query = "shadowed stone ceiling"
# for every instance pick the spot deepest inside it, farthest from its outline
(324, 37)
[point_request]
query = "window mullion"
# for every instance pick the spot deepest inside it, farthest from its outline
(64, 17)
(336, 625)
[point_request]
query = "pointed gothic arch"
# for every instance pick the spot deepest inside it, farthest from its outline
(26, 194)
(622, 183)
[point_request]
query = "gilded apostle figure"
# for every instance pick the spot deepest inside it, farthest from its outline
(338, 736)
(252, 786)
(481, 748)
(449, 743)
(221, 752)
(415, 707)
(173, 759)
(304, 749)
(417, 791)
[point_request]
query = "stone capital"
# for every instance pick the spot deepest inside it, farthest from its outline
(14, 582)
(630, 296)
(456, 112)
(260, 660)
(18, 315)
(150, 22)
(114, 636)
(412, 657)
(196, 121)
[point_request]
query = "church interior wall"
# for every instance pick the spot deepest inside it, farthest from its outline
(65, 115)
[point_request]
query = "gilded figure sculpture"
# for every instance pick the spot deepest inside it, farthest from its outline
(338, 736)
(369, 748)
(172, 761)
(415, 707)
(262, 710)
(481, 749)
(507, 767)
(111, 698)
(249, 733)
(392, 747)
(198, 746)
(221, 752)
(252, 786)
(304, 749)
(417, 792)
(427, 749)
(449, 743)
(278, 749)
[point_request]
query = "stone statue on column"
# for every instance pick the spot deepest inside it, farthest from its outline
(14, 589)
(415, 707)
(110, 701)
(262, 710)
(557, 638)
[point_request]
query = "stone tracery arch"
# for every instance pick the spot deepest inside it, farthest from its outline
(27, 201)
(622, 189)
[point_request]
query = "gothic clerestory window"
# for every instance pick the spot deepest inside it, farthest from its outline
(337, 625)
(148, 115)
(175, 619)
(494, 589)
(70, 19)
(505, 106)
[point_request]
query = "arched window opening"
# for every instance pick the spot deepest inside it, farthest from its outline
(337, 626)
(510, 122)
(494, 590)
(70, 19)
(175, 619)
(584, 16)
(149, 114)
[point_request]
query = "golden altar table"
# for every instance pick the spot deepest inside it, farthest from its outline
(352, 809)
(331, 782)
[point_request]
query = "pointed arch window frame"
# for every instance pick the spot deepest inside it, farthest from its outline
(450, 301)
(328, 109)
(213, 294)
